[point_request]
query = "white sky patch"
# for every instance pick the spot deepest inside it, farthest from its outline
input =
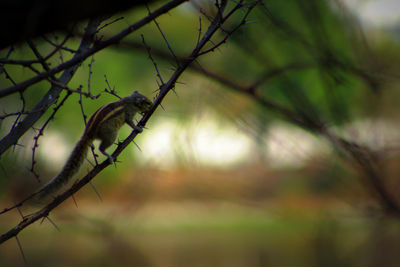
(378, 13)
(377, 134)
(220, 146)
(206, 142)
(382, 12)
(156, 145)
(54, 149)
(290, 146)
(202, 142)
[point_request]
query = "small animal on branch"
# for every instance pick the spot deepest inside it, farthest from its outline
(104, 125)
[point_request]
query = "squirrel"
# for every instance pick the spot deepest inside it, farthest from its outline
(104, 125)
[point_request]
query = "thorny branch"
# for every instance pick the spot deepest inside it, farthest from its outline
(110, 90)
(59, 46)
(84, 115)
(52, 95)
(153, 61)
(88, 52)
(36, 61)
(84, 46)
(164, 90)
(164, 37)
(40, 133)
(69, 67)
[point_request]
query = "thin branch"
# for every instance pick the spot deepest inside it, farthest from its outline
(90, 73)
(38, 55)
(8, 77)
(10, 50)
(266, 75)
(200, 33)
(109, 23)
(164, 37)
(74, 91)
(109, 90)
(40, 133)
(21, 96)
(19, 113)
(83, 111)
(152, 60)
(59, 46)
(231, 32)
(35, 61)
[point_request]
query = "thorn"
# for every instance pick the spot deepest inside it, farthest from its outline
(162, 107)
(133, 141)
(20, 212)
(48, 218)
(73, 198)
(21, 250)
(95, 190)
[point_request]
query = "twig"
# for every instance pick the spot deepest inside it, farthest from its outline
(40, 133)
(109, 90)
(21, 96)
(8, 77)
(90, 72)
(83, 111)
(108, 24)
(10, 50)
(230, 33)
(74, 91)
(35, 61)
(38, 55)
(278, 71)
(60, 46)
(18, 113)
(199, 35)
(152, 60)
(164, 37)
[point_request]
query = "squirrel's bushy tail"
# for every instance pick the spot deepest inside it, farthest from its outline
(70, 168)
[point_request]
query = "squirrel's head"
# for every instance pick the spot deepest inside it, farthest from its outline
(140, 101)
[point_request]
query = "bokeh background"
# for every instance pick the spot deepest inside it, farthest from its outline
(220, 180)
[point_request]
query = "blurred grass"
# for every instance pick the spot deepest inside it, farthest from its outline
(193, 234)
(156, 218)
